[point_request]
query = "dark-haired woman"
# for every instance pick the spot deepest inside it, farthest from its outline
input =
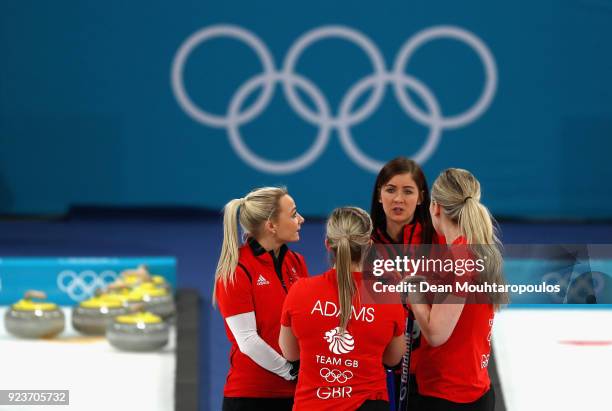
(400, 215)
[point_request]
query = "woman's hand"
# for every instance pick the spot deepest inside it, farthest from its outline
(414, 295)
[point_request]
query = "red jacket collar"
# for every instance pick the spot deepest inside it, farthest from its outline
(411, 234)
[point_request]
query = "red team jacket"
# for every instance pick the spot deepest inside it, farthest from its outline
(411, 235)
(457, 370)
(261, 285)
(338, 372)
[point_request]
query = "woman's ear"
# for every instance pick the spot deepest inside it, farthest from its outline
(435, 209)
(327, 245)
(270, 227)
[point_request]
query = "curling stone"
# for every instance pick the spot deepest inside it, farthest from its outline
(161, 282)
(93, 316)
(142, 331)
(30, 318)
(157, 300)
(134, 277)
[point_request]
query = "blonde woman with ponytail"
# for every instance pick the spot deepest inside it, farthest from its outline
(452, 372)
(340, 342)
(251, 283)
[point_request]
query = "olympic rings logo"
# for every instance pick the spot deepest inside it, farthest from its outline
(82, 285)
(335, 375)
(323, 118)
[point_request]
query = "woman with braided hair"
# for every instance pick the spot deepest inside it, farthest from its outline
(341, 342)
(251, 283)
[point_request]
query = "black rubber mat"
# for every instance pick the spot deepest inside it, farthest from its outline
(186, 393)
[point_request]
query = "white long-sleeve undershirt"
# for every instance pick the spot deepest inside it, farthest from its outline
(244, 328)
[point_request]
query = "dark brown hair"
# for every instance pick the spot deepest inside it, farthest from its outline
(403, 165)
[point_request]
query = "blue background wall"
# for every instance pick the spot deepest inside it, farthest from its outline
(88, 114)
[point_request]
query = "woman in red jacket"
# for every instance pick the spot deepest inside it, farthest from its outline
(340, 342)
(400, 214)
(452, 371)
(251, 283)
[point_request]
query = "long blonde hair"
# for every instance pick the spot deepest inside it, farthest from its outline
(348, 235)
(252, 211)
(457, 192)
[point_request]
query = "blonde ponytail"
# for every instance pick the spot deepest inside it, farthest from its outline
(348, 235)
(457, 191)
(476, 223)
(346, 284)
(228, 260)
(252, 212)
